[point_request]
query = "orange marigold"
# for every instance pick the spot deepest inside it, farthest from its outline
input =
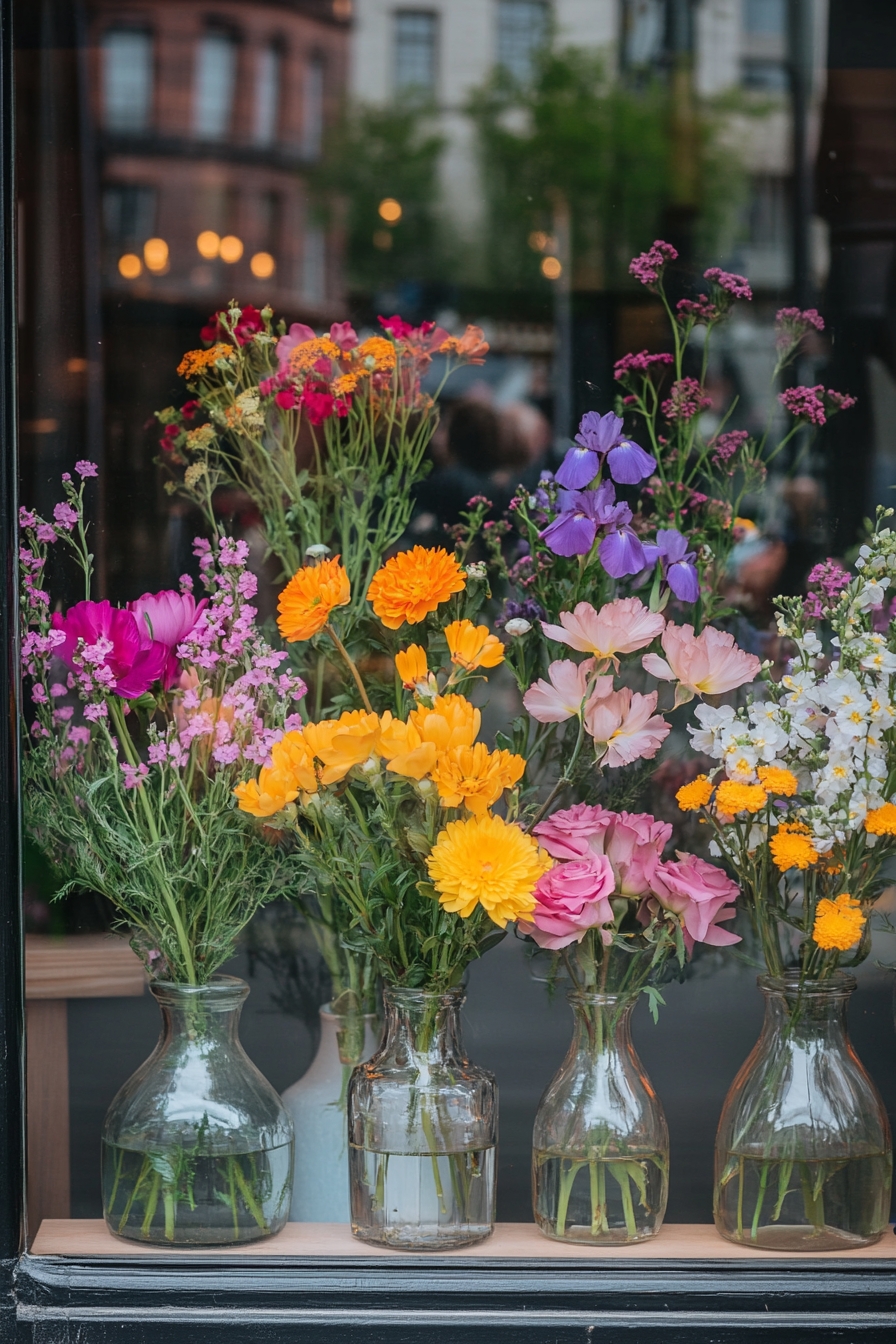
(691, 797)
(775, 779)
(792, 846)
(473, 646)
(412, 584)
(882, 821)
(451, 722)
(732, 797)
(309, 597)
(305, 355)
(474, 777)
(376, 355)
(197, 361)
(405, 750)
(411, 666)
(838, 923)
(339, 744)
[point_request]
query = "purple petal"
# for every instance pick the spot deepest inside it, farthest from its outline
(599, 432)
(570, 534)
(629, 463)
(651, 553)
(621, 553)
(671, 545)
(684, 582)
(579, 468)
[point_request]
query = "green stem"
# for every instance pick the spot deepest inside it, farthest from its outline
(251, 1202)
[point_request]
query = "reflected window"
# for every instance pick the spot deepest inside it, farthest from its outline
(267, 96)
(771, 76)
(314, 265)
(129, 214)
(415, 53)
(522, 29)
(126, 79)
(644, 32)
(214, 86)
(768, 17)
(769, 212)
(313, 108)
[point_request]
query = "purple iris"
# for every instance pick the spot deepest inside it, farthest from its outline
(582, 514)
(677, 563)
(600, 436)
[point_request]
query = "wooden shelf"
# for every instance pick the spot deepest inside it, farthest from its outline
(84, 966)
(510, 1241)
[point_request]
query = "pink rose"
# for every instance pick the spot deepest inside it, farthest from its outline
(699, 893)
(571, 899)
(566, 834)
(634, 843)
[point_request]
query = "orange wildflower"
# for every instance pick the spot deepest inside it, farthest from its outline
(197, 361)
(405, 751)
(339, 744)
(882, 821)
(732, 798)
(691, 797)
(413, 583)
(792, 847)
(474, 777)
(345, 384)
(838, 924)
(775, 779)
(270, 793)
(411, 666)
(312, 593)
(305, 355)
(472, 346)
(376, 355)
(451, 722)
(473, 646)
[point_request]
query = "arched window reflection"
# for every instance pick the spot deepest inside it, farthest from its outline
(267, 96)
(126, 79)
(214, 85)
(313, 108)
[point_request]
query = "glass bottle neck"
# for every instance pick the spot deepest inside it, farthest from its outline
(423, 1025)
(602, 1021)
(209, 1012)
(804, 1011)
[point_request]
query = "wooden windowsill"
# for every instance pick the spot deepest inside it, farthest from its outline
(676, 1241)
(82, 966)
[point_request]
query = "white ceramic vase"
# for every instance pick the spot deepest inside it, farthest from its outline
(316, 1103)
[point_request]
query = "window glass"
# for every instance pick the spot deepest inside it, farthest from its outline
(127, 79)
(415, 53)
(765, 16)
(522, 26)
(313, 107)
(214, 86)
(267, 95)
(644, 29)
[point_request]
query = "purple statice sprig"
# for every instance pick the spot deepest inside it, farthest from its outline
(791, 326)
(687, 398)
(814, 405)
(640, 364)
(726, 287)
(649, 267)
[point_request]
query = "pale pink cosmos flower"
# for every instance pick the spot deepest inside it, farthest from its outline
(625, 725)
(704, 664)
(570, 899)
(562, 696)
(620, 627)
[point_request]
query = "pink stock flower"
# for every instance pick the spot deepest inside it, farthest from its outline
(649, 266)
(570, 899)
(573, 831)
(805, 403)
(85, 468)
(700, 894)
(121, 657)
(686, 400)
(297, 335)
(624, 723)
(637, 363)
(634, 844)
(168, 618)
(738, 286)
(65, 516)
(619, 627)
(561, 698)
(726, 445)
(344, 335)
(705, 664)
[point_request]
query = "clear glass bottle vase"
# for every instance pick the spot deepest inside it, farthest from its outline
(422, 1131)
(600, 1146)
(803, 1153)
(197, 1148)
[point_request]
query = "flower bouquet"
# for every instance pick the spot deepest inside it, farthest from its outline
(390, 812)
(145, 719)
(802, 809)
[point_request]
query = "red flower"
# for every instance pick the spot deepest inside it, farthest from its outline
(318, 406)
(250, 322)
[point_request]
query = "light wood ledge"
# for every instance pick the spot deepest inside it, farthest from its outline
(523, 1241)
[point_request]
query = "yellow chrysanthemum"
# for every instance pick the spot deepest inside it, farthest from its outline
(473, 646)
(691, 797)
(732, 797)
(474, 777)
(405, 751)
(791, 846)
(838, 924)
(451, 722)
(775, 779)
(270, 793)
(411, 666)
(293, 758)
(339, 744)
(305, 355)
(489, 862)
(882, 821)
(375, 355)
(412, 584)
(197, 361)
(312, 593)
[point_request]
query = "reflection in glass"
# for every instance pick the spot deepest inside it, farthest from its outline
(522, 27)
(215, 79)
(314, 265)
(765, 16)
(267, 96)
(127, 79)
(313, 108)
(415, 53)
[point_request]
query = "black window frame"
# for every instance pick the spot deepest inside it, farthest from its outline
(171, 1298)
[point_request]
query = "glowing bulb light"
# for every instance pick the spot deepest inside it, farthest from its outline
(130, 266)
(262, 265)
(155, 254)
(208, 244)
(390, 210)
(551, 268)
(231, 248)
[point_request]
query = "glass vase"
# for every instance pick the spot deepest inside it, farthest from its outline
(197, 1148)
(422, 1124)
(600, 1146)
(317, 1105)
(803, 1155)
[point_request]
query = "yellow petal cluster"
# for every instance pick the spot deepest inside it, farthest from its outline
(339, 744)
(413, 583)
(473, 777)
(792, 847)
(484, 860)
(473, 646)
(451, 721)
(691, 797)
(290, 773)
(838, 923)
(775, 779)
(882, 821)
(732, 797)
(411, 666)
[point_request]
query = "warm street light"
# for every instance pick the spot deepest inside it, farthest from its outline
(155, 254)
(390, 210)
(262, 265)
(551, 268)
(208, 244)
(231, 248)
(130, 266)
